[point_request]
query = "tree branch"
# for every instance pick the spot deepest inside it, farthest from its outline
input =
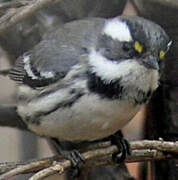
(168, 3)
(13, 4)
(101, 155)
(10, 118)
(14, 16)
(4, 72)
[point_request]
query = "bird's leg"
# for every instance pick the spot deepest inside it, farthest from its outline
(123, 145)
(76, 158)
(71, 154)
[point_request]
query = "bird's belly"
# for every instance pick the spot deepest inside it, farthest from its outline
(90, 118)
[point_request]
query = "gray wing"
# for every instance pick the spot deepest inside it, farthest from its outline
(47, 63)
(53, 57)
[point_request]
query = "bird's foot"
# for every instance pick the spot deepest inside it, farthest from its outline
(123, 146)
(76, 158)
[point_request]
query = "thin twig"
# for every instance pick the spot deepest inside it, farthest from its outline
(13, 4)
(27, 167)
(171, 147)
(10, 118)
(4, 72)
(136, 156)
(22, 13)
(166, 3)
(141, 151)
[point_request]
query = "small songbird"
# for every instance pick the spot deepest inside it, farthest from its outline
(88, 78)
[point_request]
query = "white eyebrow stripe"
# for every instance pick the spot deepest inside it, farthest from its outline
(117, 29)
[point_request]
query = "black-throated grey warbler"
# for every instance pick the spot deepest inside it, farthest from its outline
(87, 79)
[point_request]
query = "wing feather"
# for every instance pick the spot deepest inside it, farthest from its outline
(51, 59)
(44, 65)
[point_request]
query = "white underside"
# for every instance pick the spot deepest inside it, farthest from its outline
(90, 119)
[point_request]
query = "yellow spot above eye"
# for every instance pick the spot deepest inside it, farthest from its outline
(161, 54)
(138, 47)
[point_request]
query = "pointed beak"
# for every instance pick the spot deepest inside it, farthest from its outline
(151, 62)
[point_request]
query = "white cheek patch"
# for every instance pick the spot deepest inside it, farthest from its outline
(118, 30)
(110, 70)
(133, 73)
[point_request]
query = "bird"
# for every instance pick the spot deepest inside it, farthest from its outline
(85, 80)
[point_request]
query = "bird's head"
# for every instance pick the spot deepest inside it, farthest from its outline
(127, 44)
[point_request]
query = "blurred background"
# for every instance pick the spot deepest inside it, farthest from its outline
(17, 145)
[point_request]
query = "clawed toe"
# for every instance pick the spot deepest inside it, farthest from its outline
(76, 158)
(123, 146)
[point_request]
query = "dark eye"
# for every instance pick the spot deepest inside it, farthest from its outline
(133, 49)
(126, 46)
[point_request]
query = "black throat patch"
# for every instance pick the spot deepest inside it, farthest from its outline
(113, 90)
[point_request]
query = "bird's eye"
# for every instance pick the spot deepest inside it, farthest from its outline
(138, 47)
(126, 46)
(161, 54)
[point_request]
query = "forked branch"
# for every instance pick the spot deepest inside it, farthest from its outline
(96, 155)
